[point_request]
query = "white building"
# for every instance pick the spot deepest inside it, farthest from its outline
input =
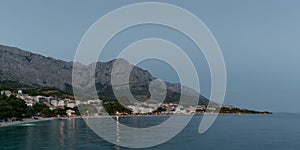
(20, 92)
(61, 103)
(29, 103)
(70, 112)
(6, 92)
(71, 104)
(54, 103)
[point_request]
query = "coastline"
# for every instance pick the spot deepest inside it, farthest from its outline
(165, 115)
(25, 121)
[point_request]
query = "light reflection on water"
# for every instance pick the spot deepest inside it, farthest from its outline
(278, 131)
(118, 136)
(62, 133)
(28, 124)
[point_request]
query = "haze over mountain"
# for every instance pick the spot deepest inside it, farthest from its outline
(39, 71)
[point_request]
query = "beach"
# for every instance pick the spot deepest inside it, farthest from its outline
(10, 123)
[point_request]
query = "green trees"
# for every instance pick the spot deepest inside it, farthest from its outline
(39, 107)
(42, 110)
(87, 109)
(114, 106)
(15, 107)
(242, 111)
(12, 107)
(159, 110)
(60, 112)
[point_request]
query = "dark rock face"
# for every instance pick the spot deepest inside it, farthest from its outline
(32, 69)
(40, 71)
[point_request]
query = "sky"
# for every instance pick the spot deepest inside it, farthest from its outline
(260, 42)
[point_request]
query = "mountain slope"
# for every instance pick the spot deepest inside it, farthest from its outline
(39, 71)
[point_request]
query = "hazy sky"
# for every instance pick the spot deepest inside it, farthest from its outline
(260, 41)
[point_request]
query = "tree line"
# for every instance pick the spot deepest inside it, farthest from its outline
(15, 107)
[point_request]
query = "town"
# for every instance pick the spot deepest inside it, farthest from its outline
(68, 107)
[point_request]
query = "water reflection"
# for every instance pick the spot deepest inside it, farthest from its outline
(251, 131)
(118, 136)
(62, 133)
(72, 130)
(29, 137)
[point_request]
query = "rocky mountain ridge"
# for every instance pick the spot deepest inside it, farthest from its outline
(39, 71)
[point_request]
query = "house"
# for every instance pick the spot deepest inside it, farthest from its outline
(43, 99)
(29, 102)
(54, 102)
(71, 104)
(20, 92)
(61, 103)
(70, 112)
(6, 92)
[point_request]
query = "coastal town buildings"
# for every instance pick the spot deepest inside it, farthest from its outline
(6, 92)
(137, 108)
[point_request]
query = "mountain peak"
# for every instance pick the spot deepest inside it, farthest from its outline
(39, 71)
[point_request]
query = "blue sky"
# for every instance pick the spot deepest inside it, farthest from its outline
(260, 41)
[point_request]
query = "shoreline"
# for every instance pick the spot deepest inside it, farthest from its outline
(165, 115)
(25, 121)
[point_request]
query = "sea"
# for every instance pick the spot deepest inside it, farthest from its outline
(229, 132)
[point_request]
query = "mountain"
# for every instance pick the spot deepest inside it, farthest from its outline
(35, 70)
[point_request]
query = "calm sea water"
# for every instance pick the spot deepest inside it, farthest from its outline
(229, 132)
